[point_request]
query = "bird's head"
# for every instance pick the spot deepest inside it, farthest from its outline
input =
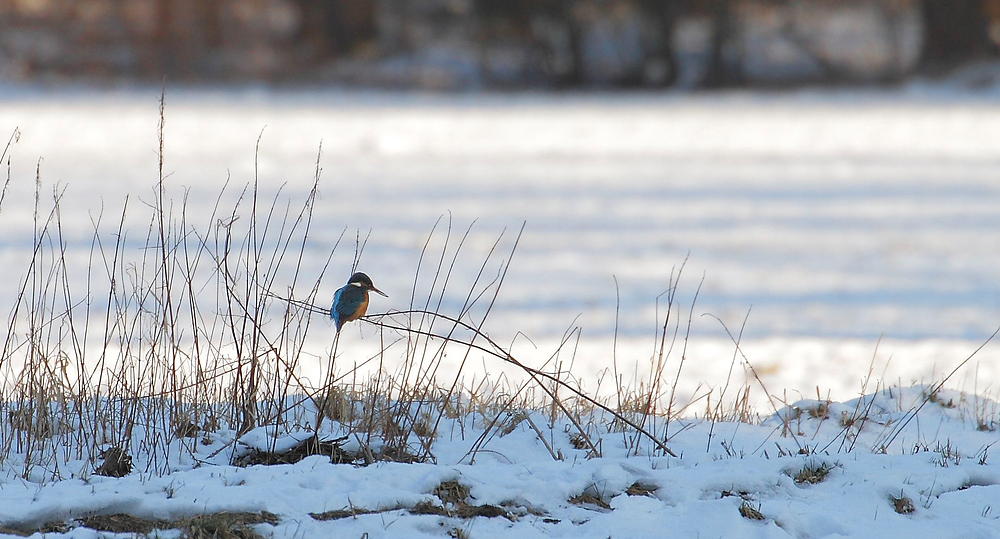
(364, 282)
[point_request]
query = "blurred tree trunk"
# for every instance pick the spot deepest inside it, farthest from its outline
(210, 11)
(956, 31)
(315, 31)
(663, 15)
(723, 69)
(162, 42)
(161, 33)
(333, 27)
(574, 75)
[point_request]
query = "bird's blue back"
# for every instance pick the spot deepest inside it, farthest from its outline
(346, 301)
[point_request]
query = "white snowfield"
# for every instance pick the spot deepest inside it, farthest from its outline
(832, 218)
(874, 468)
(830, 214)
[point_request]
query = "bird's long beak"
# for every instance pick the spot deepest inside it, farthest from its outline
(377, 291)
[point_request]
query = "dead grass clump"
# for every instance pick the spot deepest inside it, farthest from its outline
(339, 406)
(579, 441)
(748, 511)
(351, 512)
(485, 510)
(848, 420)
(123, 523)
(50, 527)
(813, 473)
(641, 489)
(117, 463)
(902, 504)
(339, 514)
(226, 525)
(399, 453)
(463, 510)
(512, 422)
(423, 427)
(590, 500)
(741, 493)
(452, 492)
(820, 411)
(391, 429)
(428, 508)
(185, 429)
(455, 499)
(948, 454)
(933, 396)
(306, 448)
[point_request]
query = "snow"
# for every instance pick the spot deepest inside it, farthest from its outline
(857, 229)
(941, 461)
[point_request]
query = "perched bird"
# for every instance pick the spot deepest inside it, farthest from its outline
(351, 301)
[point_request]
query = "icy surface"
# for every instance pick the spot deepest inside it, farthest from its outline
(832, 215)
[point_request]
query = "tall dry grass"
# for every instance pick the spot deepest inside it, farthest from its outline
(200, 324)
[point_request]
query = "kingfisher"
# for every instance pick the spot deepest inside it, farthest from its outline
(351, 301)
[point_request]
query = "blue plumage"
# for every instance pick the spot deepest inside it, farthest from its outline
(350, 302)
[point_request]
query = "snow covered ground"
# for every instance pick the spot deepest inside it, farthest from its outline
(859, 469)
(834, 218)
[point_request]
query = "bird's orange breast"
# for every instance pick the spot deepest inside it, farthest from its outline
(360, 311)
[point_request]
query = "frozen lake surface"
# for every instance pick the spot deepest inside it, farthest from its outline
(834, 218)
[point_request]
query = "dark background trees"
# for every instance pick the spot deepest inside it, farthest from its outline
(499, 43)
(958, 31)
